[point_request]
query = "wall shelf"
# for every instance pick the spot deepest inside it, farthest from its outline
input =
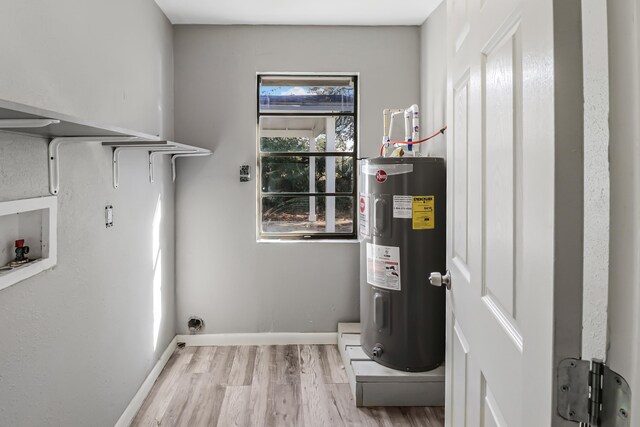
(61, 129)
(34, 220)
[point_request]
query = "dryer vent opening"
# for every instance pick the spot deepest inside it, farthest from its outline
(195, 324)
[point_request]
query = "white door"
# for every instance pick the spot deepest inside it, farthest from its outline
(514, 207)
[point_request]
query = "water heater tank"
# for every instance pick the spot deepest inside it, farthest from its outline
(402, 213)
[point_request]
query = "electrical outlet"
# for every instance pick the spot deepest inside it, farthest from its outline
(245, 173)
(108, 216)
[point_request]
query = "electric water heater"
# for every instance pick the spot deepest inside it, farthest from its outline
(402, 214)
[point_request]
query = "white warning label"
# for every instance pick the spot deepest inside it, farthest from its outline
(383, 266)
(363, 215)
(402, 206)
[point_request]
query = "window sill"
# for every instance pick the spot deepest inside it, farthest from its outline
(308, 241)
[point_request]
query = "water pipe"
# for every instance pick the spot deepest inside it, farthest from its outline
(441, 131)
(411, 125)
(411, 129)
(388, 114)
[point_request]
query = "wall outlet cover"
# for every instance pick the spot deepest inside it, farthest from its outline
(108, 216)
(245, 173)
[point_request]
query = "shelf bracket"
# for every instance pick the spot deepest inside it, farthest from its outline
(54, 154)
(116, 157)
(26, 123)
(175, 156)
(154, 154)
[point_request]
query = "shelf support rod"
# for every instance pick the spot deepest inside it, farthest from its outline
(154, 154)
(26, 123)
(54, 154)
(116, 157)
(175, 156)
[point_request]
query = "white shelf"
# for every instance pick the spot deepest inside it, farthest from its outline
(63, 129)
(61, 126)
(36, 220)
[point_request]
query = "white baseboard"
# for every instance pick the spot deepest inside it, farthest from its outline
(134, 406)
(266, 338)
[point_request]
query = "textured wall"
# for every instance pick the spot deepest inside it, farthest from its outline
(78, 340)
(433, 80)
(596, 178)
(234, 283)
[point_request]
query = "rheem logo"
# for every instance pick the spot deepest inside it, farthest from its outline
(381, 176)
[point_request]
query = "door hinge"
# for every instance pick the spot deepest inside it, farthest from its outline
(589, 392)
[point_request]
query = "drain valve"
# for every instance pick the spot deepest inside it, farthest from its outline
(377, 350)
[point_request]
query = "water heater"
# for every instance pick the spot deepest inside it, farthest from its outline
(402, 213)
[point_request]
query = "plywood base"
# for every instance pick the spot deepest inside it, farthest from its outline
(375, 385)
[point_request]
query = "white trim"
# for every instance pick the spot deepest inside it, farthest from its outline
(258, 222)
(309, 73)
(136, 403)
(341, 241)
(266, 338)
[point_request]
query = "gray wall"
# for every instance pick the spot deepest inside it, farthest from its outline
(78, 340)
(433, 80)
(234, 283)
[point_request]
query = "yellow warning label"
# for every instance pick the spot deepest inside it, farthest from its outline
(423, 210)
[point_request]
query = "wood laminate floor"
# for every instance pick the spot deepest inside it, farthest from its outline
(291, 385)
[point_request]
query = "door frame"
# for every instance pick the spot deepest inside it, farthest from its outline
(569, 192)
(623, 353)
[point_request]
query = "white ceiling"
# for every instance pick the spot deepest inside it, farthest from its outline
(298, 12)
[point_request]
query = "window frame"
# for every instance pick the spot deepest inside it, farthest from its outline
(315, 236)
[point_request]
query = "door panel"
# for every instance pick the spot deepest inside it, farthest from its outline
(460, 172)
(491, 415)
(499, 113)
(503, 195)
(460, 20)
(459, 352)
(483, 297)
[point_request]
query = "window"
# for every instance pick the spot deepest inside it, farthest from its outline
(307, 148)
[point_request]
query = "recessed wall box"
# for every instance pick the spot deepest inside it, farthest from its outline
(34, 221)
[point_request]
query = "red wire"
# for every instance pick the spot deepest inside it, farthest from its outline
(441, 131)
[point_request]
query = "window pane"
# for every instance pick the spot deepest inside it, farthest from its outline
(284, 174)
(307, 214)
(343, 173)
(279, 144)
(306, 94)
(278, 134)
(292, 174)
